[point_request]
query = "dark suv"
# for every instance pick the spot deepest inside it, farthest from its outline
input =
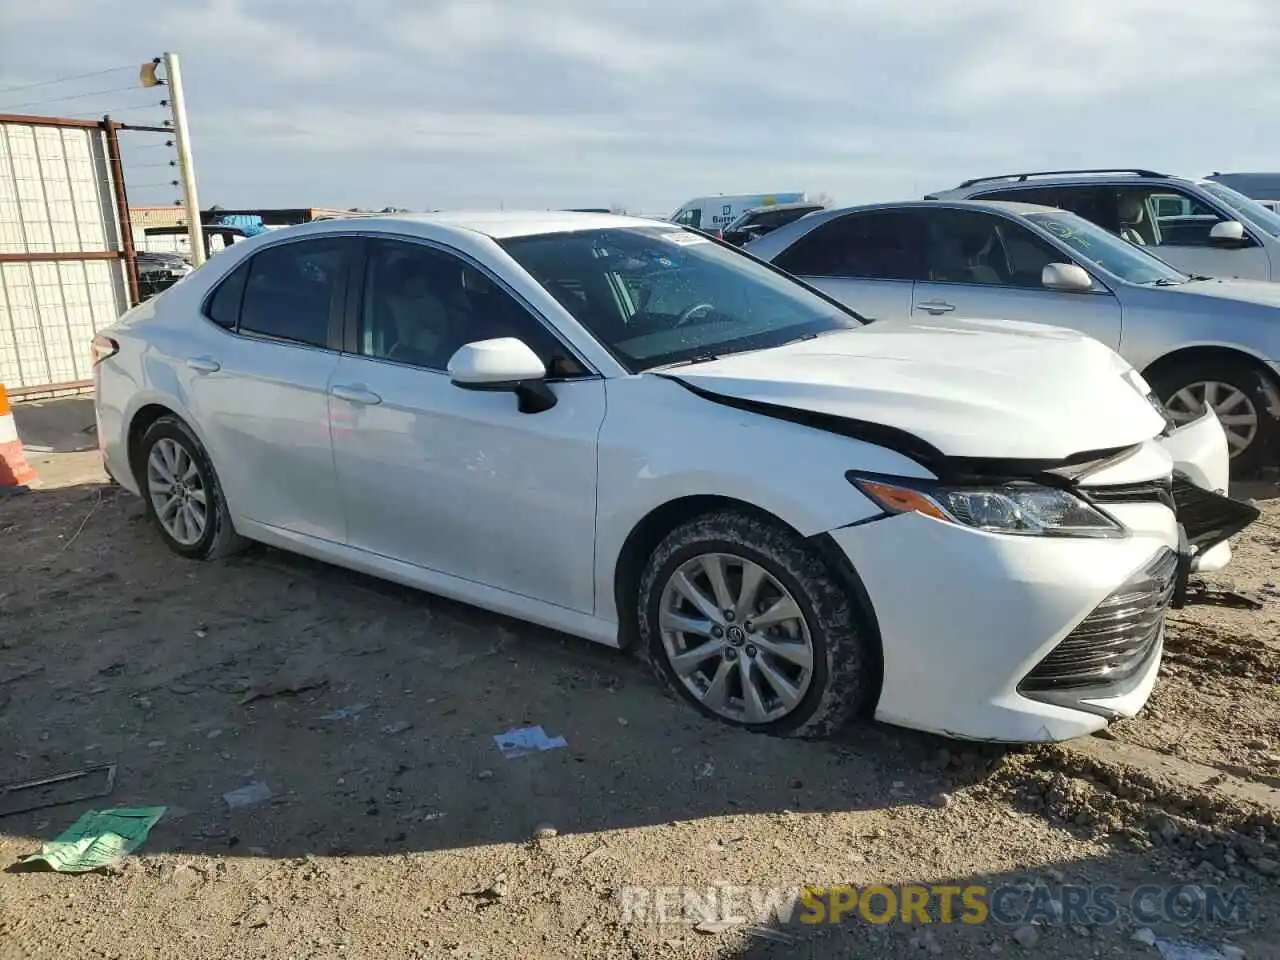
(758, 221)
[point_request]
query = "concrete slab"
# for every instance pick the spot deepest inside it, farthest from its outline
(65, 425)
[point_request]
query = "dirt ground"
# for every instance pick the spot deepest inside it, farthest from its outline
(401, 831)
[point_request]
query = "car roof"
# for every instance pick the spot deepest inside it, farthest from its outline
(496, 224)
(775, 241)
(1060, 178)
(993, 206)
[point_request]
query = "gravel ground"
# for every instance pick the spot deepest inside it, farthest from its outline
(401, 831)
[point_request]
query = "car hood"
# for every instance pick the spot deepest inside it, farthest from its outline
(988, 389)
(1263, 293)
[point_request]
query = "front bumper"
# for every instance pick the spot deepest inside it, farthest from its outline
(965, 616)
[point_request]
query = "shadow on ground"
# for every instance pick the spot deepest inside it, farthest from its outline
(200, 678)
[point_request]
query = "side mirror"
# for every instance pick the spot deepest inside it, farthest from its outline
(504, 365)
(1067, 277)
(1227, 233)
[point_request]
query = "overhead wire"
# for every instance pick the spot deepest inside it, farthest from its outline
(74, 76)
(70, 96)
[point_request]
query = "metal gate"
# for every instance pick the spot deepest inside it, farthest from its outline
(67, 265)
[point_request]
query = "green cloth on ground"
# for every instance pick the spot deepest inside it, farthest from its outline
(98, 839)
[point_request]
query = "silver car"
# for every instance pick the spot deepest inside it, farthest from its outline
(1200, 343)
(1200, 226)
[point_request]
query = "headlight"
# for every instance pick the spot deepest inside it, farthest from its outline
(1169, 423)
(1025, 509)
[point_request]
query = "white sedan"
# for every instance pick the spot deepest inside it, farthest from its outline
(626, 431)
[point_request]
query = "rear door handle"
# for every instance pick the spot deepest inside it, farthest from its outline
(935, 306)
(204, 364)
(355, 393)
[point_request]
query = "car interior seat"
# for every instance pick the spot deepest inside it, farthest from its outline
(1134, 225)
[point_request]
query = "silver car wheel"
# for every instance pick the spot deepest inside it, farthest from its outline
(1234, 409)
(177, 491)
(736, 638)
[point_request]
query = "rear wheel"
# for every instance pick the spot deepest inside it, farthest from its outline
(1238, 393)
(183, 496)
(741, 619)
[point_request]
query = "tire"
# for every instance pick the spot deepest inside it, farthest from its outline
(840, 680)
(1241, 375)
(219, 538)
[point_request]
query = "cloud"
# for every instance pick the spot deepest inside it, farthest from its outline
(441, 103)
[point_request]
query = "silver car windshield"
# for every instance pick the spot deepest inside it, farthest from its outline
(1104, 249)
(655, 296)
(1247, 207)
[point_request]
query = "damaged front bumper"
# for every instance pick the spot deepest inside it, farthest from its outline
(1201, 476)
(1206, 520)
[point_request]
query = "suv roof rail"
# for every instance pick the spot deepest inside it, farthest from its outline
(1055, 173)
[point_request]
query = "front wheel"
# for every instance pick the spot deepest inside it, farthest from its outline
(741, 619)
(183, 496)
(1239, 393)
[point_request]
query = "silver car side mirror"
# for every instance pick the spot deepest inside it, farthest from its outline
(1227, 232)
(1066, 277)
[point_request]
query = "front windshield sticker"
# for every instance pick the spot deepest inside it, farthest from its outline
(683, 238)
(1065, 231)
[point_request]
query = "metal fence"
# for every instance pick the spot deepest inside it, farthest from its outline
(67, 265)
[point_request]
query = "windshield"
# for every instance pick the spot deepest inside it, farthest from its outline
(1104, 249)
(655, 296)
(1247, 207)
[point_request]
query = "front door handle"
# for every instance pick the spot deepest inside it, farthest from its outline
(204, 364)
(935, 306)
(356, 393)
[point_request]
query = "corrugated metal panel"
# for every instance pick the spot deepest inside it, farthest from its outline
(56, 196)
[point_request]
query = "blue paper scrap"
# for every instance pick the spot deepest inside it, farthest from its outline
(526, 740)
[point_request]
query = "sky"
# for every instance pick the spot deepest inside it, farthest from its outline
(643, 104)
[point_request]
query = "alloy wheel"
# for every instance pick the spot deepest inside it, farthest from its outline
(178, 492)
(1232, 406)
(736, 638)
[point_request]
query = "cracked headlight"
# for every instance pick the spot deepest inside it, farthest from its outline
(1024, 509)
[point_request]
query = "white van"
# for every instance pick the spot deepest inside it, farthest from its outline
(715, 213)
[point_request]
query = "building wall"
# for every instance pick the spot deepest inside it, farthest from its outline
(56, 197)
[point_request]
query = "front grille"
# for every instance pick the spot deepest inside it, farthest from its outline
(1154, 491)
(1113, 642)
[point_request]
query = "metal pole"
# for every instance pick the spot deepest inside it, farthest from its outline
(122, 210)
(182, 139)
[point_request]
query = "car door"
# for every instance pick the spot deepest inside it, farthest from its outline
(459, 481)
(869, 261)
(984, 265)
(258, 388)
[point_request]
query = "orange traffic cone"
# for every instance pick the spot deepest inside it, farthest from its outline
(14, 469)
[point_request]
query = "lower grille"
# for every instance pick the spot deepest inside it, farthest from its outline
(1209, 518)
(1113, 642)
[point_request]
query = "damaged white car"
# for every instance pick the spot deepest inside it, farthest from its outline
(623, 430)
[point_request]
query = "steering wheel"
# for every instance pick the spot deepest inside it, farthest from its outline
(687, 315)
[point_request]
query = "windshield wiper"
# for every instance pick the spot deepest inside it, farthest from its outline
(1197, 276)
(697, 358)
(1167, 282)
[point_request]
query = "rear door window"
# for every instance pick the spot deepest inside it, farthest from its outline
(293, 290)
(878, 245)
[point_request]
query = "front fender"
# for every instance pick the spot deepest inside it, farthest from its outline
(660, 443)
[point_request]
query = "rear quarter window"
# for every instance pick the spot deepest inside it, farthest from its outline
(223, 308)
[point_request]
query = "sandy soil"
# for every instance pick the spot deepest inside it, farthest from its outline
(401, 831)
